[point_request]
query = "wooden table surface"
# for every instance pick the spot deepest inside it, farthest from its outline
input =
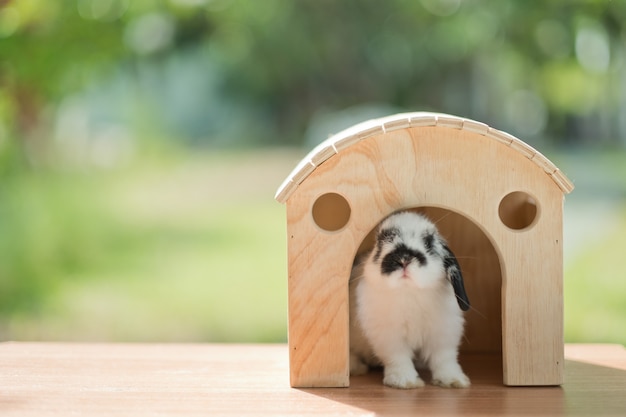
(54, 379)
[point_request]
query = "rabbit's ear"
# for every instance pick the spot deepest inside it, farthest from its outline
(453, 273)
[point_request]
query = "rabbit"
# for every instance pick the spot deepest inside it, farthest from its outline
(407, 299)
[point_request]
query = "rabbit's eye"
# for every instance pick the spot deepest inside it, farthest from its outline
(388, 235)
(429, 242)
(385, 236)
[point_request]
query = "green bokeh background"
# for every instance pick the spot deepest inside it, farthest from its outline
(142, 141)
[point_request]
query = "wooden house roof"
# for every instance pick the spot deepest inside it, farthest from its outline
(343, 140)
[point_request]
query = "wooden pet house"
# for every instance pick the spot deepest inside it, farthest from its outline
(497, 201)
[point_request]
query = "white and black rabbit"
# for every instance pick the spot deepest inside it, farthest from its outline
(406, 302)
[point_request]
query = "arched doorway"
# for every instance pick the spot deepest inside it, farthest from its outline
(482, 275)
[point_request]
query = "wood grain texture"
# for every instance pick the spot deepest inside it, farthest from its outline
(514, 273)
(354, 134)
(47, 379)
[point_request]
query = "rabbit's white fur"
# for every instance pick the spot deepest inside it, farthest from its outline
(408, 313)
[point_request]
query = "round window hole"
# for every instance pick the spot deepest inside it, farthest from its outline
(331, 212)
(518, 210)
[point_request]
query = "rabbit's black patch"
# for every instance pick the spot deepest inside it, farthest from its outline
(399, 258)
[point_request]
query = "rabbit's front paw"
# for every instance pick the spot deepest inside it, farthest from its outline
(456, 379)
(402, 378)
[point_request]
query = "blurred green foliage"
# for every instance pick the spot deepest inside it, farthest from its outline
(180, 247)
(103, 103)
(595, 290)
(204, 68)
